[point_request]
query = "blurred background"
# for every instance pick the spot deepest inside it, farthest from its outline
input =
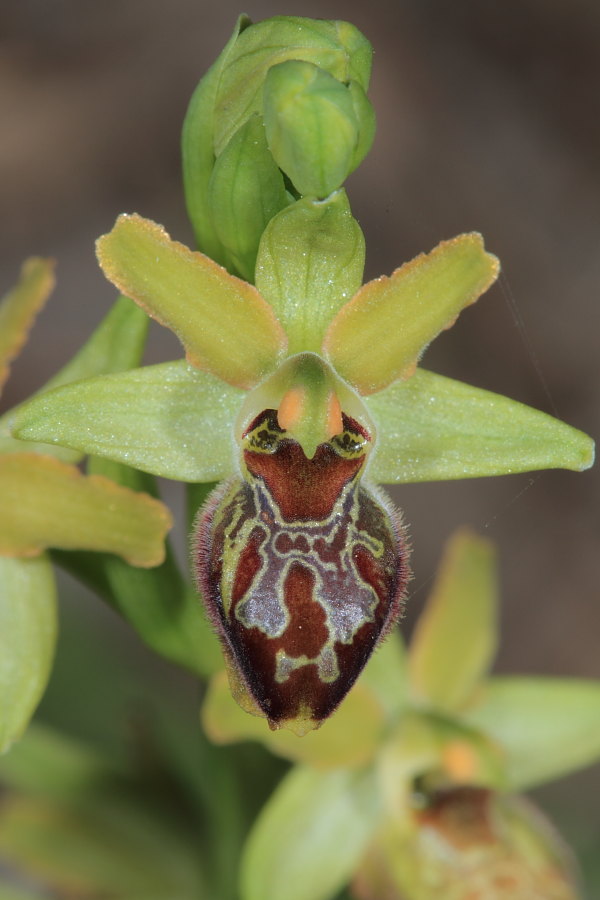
(487, 120)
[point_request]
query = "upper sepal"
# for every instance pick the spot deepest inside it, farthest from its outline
(310, 262)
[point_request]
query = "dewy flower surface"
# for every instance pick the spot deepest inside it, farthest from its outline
(301, 561)
(301, 389)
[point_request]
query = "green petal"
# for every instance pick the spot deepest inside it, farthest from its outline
(169, 419)
(27, 638)
(117, 344)
(224, 324)
(312, 128)
(378, 337)
(171, 619)
(456, 634)
(310, 262)
(246, 190)
(348, 739)
(198, 155)
(432, 428)
(46, 503)
(20, 306)
(337, 47)
(308, 838)
(548, 727)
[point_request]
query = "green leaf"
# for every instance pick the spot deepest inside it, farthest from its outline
(311, 126)
(548, 727)
(310, 835)
(455, 638)
(336, 47)
(113, 837)
(48, 764)
(117, 344)
(47, 503)
(348, 739)
(27, 638)
(20, 306)
(433, 428)
(224, 324)
(169, 419)
(198, 155)
(379, 336)
(166, 613)
(246, 190)
(310, 262)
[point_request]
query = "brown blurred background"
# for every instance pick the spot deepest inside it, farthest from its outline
(488, 120)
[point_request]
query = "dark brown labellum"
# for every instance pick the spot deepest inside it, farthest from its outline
(303, 569)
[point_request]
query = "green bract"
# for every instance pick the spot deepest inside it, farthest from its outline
(285, 103)
(311, 125)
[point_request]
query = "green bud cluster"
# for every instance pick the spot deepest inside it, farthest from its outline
(282, 114)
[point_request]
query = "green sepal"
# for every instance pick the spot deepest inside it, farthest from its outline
(158, 603)
(198, 155)
(336, 47)
(245, 191)
(28, 625)
(378, 337)
(117, 344)
(547, 727)
(308, 837)
(309, 399)
(348, 739)
(435, 428)
(168, 419)
(310, 263)
(386, 675)
(456, 635)
(441, 750)
(226, 327)
(48, 503)
(311, 126)
(20, 306)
